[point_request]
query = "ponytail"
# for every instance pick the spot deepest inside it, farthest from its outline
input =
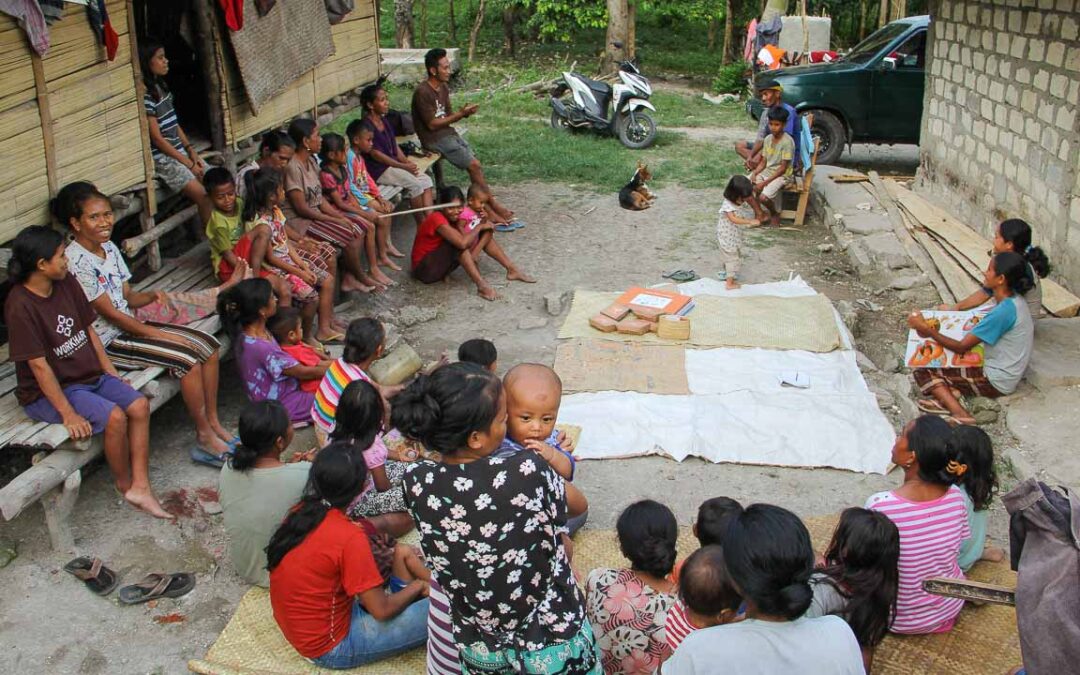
(337, 476)
(1014, 268)
(261, 425)
(1017, 232)
(769, 556)
(239, 307)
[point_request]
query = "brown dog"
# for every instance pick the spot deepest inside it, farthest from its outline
(636, 195)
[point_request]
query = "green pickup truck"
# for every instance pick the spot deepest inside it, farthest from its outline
(872, 94)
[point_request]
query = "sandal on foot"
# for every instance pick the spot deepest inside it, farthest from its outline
(516, 223)
(93, 573)
(931, 407)
(201, 456)
(335, 339)
(504, 227)
(155, 586)
(961, 421)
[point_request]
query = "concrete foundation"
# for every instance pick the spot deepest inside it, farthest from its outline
(819, 29)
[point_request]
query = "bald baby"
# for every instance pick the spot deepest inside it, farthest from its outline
(533, 396)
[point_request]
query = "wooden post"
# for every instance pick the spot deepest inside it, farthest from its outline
(58, 503)
(45, 114)
(207, 36)
(146, 217)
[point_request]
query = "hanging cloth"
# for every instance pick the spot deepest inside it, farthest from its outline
(99, 21)
(31, 20)
(336, 10)
(751, 37)
(234, 13)
(53, 10)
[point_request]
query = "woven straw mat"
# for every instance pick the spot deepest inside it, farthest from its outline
(768, 322)
(984, 639)
(273, 50)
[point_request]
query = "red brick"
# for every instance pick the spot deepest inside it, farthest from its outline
(603, 323)
(634, 326)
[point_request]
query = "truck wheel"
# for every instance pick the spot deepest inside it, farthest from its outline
(831, 135)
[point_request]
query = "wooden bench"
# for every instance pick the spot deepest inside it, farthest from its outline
(54, 479)
(801, 185)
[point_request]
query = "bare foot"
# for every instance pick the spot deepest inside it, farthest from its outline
(775, 220)
(223, 433)
(993, 554)
(144, 500)
(486, 292)
(731, 284)
(394, 252)
(213, 443)
(378, 277)
(387, 262)
(517, 275)
(240, 272)
(350, 284)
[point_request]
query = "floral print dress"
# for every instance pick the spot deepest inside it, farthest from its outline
(492, 531)
(628, 617)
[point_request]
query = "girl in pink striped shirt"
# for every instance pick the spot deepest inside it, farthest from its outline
(930, 514)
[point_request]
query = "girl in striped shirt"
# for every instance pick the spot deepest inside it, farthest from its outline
(929, 511)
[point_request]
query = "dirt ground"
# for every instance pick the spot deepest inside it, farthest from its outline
(50, 623)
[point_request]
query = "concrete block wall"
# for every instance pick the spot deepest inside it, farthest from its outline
(1001, 119)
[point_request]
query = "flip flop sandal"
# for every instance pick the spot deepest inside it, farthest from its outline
(155, 586)
(201, 456)
(93, 573)
(931, 407)
(504, 227)
(335, 339)
(722, 275)
(517, 224)
(681, 276)
(959, 421)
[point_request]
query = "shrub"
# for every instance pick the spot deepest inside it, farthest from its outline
(732, 78)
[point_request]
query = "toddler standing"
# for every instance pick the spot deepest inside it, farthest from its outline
(738, 191)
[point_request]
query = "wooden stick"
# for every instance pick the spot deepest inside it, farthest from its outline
(970, 590)
(421, 208)
(44, 112)
(135, 244)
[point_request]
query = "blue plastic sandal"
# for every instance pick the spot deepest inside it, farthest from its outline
(206, 458)
(517, 223)
(505, 227)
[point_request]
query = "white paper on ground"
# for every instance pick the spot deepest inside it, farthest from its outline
(784, 428)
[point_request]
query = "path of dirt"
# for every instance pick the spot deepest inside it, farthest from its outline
(573, 239)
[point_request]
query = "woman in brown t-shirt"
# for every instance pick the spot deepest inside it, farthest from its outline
(63, 375)
(307, 213)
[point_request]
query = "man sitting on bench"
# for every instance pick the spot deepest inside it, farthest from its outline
(433, 118)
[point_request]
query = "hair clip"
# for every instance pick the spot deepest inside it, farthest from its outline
(326, 503)
(956, 468)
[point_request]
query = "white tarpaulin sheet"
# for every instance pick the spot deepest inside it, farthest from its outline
(738, 410)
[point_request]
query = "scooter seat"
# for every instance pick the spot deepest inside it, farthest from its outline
(601, 88)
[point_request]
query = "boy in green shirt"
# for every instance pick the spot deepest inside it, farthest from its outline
(774, 170)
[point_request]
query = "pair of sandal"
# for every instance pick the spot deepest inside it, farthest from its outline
(102, 580)
(681, 276)
(514, 224)
(932, 407)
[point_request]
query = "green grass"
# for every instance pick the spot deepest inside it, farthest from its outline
(512, 137)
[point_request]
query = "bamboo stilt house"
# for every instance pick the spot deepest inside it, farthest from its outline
(73, 115)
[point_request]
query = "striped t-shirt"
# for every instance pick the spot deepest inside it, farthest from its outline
(337, 377)
(930, 537)
(167, 121)
(677, 626)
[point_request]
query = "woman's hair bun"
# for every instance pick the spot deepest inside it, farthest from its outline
(797, 596)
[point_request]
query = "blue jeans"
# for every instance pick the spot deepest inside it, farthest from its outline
(370, 640)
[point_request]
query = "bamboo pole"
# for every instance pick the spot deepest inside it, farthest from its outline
(146, 215)
(424, 208)
(133, 245)
(45, 113)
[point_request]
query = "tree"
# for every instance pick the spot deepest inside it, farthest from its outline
(403, 24)
(509, 21)
(618, 31)
(475, 32)
(451, 28)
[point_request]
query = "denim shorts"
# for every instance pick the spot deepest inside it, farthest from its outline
(94, 401)
(370, 640)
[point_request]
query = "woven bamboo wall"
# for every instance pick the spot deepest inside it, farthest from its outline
(94, 109)
(355, 62)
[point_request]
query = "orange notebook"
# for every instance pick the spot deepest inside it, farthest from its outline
(647, 299)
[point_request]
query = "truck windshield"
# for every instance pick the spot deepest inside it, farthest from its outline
(869, 48)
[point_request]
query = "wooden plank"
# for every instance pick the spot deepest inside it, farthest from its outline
(849, 178)
(1057, 300)
(44, 111)
(914, 251)
(966, 589)
(133, 245)
(958, 281)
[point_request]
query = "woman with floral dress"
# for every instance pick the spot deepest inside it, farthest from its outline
(628, 608)
(491, 528)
